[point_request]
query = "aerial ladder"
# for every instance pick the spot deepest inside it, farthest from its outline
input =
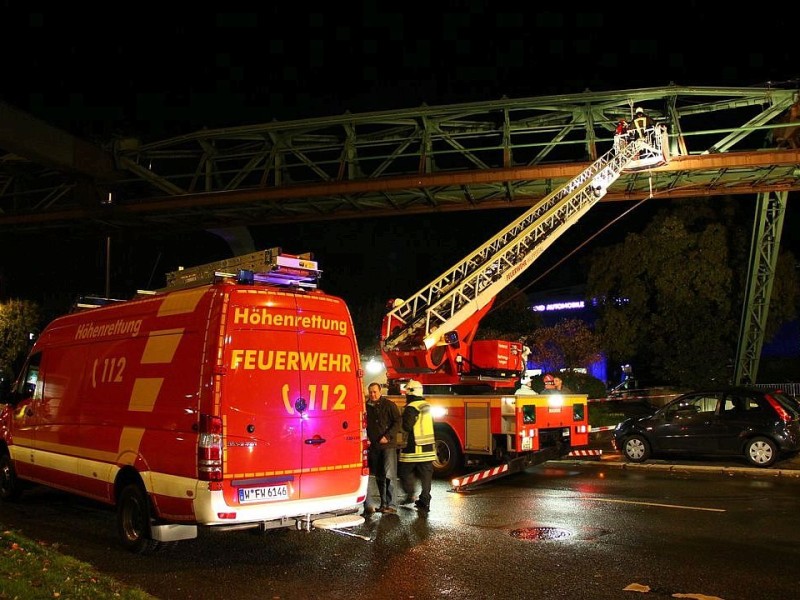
(470, 383)
(430, 335)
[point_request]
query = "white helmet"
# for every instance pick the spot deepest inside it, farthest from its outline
(639, 110)
(414, 388)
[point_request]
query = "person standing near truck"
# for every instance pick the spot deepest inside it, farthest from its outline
(416, 458)
(553, 384)
(383, 425)
(525, 388)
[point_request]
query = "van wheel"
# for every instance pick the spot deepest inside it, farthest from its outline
(761, 452)
(636, 449)
(10, 486)
(448, 455)
(133, 520)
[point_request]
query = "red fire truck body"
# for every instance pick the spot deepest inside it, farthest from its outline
(490, 429)
(236, 403)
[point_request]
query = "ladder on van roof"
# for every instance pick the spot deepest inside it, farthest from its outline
(271, 267)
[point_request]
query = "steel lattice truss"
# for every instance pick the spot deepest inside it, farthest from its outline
(481, 155)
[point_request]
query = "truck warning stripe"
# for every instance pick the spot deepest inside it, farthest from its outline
(479, 476)
(595, 453)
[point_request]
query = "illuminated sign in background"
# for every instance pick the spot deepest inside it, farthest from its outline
(571, 305)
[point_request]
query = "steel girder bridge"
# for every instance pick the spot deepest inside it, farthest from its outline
(483, 155)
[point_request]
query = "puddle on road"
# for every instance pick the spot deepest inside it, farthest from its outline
(541, 533)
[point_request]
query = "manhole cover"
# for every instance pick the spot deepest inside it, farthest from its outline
(541, 533)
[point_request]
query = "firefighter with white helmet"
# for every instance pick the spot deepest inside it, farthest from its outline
(641, 122)
(525, 388)
(416, 458)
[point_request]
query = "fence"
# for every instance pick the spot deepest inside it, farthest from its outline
(789, 388)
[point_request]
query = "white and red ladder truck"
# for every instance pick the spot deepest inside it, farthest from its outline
(429, 336)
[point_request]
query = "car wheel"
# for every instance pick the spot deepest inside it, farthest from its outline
(761, 452)
(448, 454)
(10, 486)
(133, 520)
(636, 449)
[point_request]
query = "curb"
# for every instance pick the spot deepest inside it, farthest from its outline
(767, 472)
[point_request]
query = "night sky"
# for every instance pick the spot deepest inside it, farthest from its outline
(136, 70)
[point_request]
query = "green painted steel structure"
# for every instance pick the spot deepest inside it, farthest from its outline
(494, 154)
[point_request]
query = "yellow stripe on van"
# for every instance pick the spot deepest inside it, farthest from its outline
(356, 465)
(58, 453)
(181, 302)
(161, 346)
(144, 394)
(81, 460)
(129, 442)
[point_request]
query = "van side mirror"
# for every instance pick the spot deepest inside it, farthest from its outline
(27, 391)
(9, 395)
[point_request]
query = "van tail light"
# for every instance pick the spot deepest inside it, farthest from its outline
(364, 445)
(782, 414)
(209, 449)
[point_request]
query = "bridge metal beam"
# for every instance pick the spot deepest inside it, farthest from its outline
(26, 136)
(764, 248)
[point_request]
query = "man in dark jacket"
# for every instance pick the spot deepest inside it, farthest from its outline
(383, 425)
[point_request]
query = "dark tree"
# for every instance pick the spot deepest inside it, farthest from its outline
(672, 296)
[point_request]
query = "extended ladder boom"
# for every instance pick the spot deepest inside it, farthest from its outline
(449, 300)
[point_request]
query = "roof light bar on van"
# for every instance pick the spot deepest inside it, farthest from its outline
(278, 278)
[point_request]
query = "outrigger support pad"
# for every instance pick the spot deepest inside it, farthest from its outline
(515, 465)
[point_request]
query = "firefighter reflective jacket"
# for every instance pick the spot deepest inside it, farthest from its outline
(418, 423)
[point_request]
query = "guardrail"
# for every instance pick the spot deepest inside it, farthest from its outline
(789, 388)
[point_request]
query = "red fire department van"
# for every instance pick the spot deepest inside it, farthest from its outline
(230, 399)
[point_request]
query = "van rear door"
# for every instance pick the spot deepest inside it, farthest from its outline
(330, 382)
(290, 398)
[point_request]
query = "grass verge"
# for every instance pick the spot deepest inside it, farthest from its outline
(34, 569)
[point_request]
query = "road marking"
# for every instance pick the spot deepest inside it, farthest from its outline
(661, 505)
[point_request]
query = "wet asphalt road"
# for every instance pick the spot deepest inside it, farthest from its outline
(566, 529)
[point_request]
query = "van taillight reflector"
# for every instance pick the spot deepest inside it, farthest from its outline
(209, 449)
(364, 445)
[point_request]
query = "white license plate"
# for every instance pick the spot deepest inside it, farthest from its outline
(263, 494)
